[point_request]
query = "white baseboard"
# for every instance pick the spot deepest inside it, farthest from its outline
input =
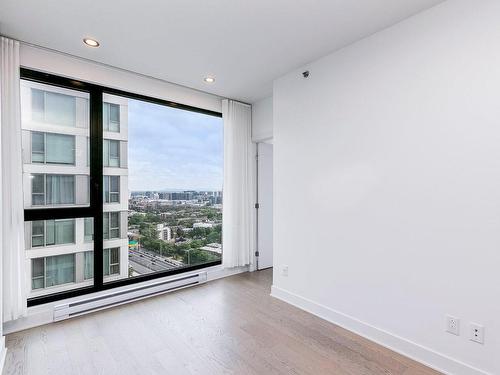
(419, 353)
(220, 272)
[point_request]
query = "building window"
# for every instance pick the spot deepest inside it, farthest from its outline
(88, 265)
(52, 148)
(37, 273)
(111, 117)
(48, 189)
(111, 223)
(111, 189)
(110, 230)
(111, 153)
(88, 231)
(52, 232)
(51, 271)
(53, 108)
(111, 263)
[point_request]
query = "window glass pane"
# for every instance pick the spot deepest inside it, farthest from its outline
(114, 153)
(65, 231)
(60, 109)
(37, 282)
(37, 183)
(114, 113)
(60, 189)
(37, 233)
(37, 147)
(37, 241)
(37, 267)
(114, 149)
(37, 273)
(106, 189)
(114, 189)
(115, 183)
(110, 264)
(105, 116)
(174, 173)
(114, 118)
(114, 230)
(105, 229)
(62, 258)
(105, 152)
(105, 263)
(37, 228)
(114, 261)
(60, 148)
(60, 269)
(37, 104)
(111, 117)
(37, 189)
(55, 124)
(89, 230)
(50, 231)
(88, 265)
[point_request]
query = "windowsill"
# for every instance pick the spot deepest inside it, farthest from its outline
(44, 314)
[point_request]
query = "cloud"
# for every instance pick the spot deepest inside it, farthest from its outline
(169, 148)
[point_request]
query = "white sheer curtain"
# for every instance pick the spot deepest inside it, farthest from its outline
(12, 228)
(238, 233)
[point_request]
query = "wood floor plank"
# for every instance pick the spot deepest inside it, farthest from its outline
(228, 326)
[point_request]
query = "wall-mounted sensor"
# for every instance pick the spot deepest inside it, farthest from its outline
(305, 74)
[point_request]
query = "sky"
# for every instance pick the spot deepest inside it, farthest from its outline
(173, 149)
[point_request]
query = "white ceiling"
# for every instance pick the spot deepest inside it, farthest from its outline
(245, 44)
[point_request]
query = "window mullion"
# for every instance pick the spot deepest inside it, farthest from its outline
(96, 178)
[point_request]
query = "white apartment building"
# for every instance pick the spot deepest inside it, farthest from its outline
(55, 138)
(164, 233)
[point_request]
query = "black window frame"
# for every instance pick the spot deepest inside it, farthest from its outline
(95, 208)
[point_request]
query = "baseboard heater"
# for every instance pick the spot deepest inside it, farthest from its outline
(119, 297)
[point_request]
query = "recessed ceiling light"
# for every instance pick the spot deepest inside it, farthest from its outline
(209, 79)
(91, 42)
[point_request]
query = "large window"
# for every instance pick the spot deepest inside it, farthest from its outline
(53, 107)
(111, 228)
(111, 189)
(52, 232)
(111, 263)
(49, 189)
(111, 156)
(52, 271)
(154, 207)
(111, 117)
(175, 173)
(52, 148)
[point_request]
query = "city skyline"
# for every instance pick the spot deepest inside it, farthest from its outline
(173, 150)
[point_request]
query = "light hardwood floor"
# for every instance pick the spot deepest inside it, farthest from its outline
(228, 326)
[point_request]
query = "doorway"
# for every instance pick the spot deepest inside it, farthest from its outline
(265, 199)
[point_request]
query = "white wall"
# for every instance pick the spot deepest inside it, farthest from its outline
(388, 159)
(3, 350)
(88, 71)
(262, 120)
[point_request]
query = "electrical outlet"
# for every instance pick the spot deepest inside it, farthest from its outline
(453, 325)
(477, 333)
(284, 270)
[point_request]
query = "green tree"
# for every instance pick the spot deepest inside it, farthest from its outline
(197, 256)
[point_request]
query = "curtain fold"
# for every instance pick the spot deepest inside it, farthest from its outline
(238, 234)
(12, 228)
